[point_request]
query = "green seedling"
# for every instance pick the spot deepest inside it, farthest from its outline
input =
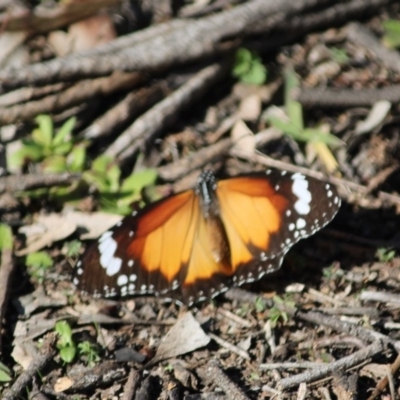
(248, 68)
(277, 312)
(47, 146)
(117, 196)
(259, 305)
(65, 343)
(72, 248)
(385, 255)
(38, 263)
(6, 238)
(89, 353)
(5, 374)
(391, 38)
(339, 55)
(292, 124)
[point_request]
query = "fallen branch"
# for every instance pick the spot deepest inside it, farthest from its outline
(324, 370)
(219, 378)
(14, 183)
(145, 128)
(78, 93)
(131, 385)
(24, 380)
(197, 40)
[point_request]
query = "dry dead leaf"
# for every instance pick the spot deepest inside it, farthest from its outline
(48, 229)
(250, 107)
(83, 35)
(184, 337)
(375, 117)
(94, 223)
(24, 352)
(53, 227)
(62, 384)
(243, 138)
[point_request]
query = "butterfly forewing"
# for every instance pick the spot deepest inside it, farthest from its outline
(175, 246)
(144, 253)
(290, 206)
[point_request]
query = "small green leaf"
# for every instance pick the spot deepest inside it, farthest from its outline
(44, 133)
(39, 259)
(98, 180)
(30, 151)
(6, 237)
(101, 163)
(72, 248)
(77, 158)
(55, 164)
(5, 373)
(67, 354)
(65, 332)
(391, 37)
(256, 75)
(62, 148)
(249, 68)
(293, 108)
(133, 185)
(64, 132)
(113, 175)
(339, 55)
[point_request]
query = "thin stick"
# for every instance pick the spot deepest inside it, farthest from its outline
(344, 363)
(229, 346)
(35, 366)
(33, 181)
(158, 117)
(131, 385)
(218, 376)
(197, 40)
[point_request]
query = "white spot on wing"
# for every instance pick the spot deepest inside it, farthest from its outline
(107, 248)
(122, 280)
(300, 223)
(300, 189)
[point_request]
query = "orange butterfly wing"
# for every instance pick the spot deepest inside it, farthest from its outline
(174, 245)
(145, 252)
(264, 214)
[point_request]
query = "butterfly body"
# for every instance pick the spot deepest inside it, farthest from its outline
(200, 242)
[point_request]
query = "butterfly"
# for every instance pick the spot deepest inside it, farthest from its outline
(198, 243)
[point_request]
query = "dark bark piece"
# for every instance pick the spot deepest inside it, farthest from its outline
(24, 380)
(216, 375)
(344, 98)
(131, 385)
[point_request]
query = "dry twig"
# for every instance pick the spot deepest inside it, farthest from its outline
(324, 370)
(162, 114)
(24, 380)
(219, 378)
(131, 385)
(14, 183)
(199, 39)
